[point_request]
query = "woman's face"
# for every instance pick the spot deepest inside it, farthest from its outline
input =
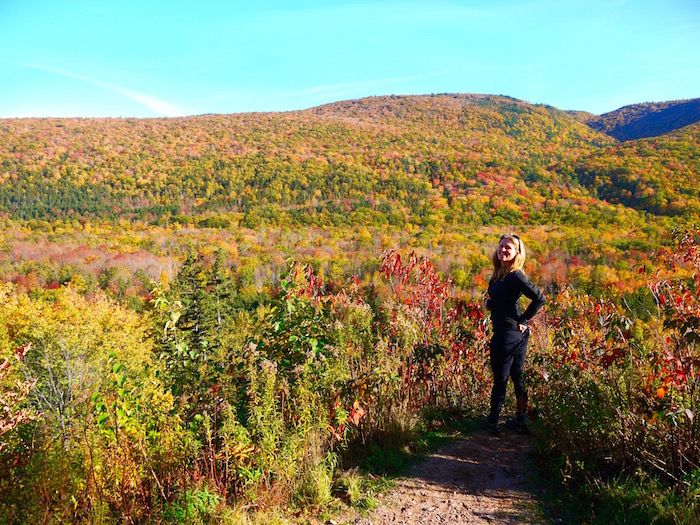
(507, 251)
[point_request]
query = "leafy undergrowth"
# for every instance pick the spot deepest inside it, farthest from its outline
(573, 494)
(617, 399)
(200, 410)
(392, 459)
(358, 489)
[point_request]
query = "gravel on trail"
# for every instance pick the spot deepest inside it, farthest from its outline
(474, 480)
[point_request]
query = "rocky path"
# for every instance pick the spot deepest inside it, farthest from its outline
(478, 479)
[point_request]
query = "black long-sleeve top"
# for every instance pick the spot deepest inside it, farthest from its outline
(504, 301)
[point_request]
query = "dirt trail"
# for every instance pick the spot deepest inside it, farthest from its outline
(478, 479)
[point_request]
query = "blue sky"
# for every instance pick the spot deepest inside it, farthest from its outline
(153, 58)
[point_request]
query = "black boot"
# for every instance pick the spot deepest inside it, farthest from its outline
(492, 428)
(518, 423)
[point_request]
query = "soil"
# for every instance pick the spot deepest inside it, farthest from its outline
(475, 480)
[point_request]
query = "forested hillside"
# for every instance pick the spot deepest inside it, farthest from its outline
(115, 203)
(399, 159)
(650, 119)
(660, 175)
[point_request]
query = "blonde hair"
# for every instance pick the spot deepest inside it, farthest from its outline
(500, 270)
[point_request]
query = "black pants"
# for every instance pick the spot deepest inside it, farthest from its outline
(507, 349)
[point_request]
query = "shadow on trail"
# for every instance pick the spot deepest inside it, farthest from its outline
(479, 463)
(477, 479)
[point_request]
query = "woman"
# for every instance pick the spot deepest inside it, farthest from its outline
(510, 332)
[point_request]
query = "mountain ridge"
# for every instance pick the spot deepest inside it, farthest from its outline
(649, 119)
(416, 159)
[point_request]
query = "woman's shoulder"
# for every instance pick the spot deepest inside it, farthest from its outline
(520, 276)
(525, 284)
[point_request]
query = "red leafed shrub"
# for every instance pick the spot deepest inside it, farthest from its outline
(447, 367)
(330, 367)
(621, 392)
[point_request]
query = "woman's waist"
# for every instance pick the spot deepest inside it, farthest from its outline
(505, 323)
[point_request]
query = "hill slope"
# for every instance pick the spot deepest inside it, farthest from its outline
(660, 175)
(647, 120)
(418, 159)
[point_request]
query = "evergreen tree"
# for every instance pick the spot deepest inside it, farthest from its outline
(195, 346)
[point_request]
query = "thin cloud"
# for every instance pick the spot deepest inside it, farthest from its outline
(159, 106)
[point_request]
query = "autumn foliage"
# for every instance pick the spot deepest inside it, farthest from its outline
(201, 315)
(617, 392)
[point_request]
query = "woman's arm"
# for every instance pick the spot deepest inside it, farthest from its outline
(533, 293)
